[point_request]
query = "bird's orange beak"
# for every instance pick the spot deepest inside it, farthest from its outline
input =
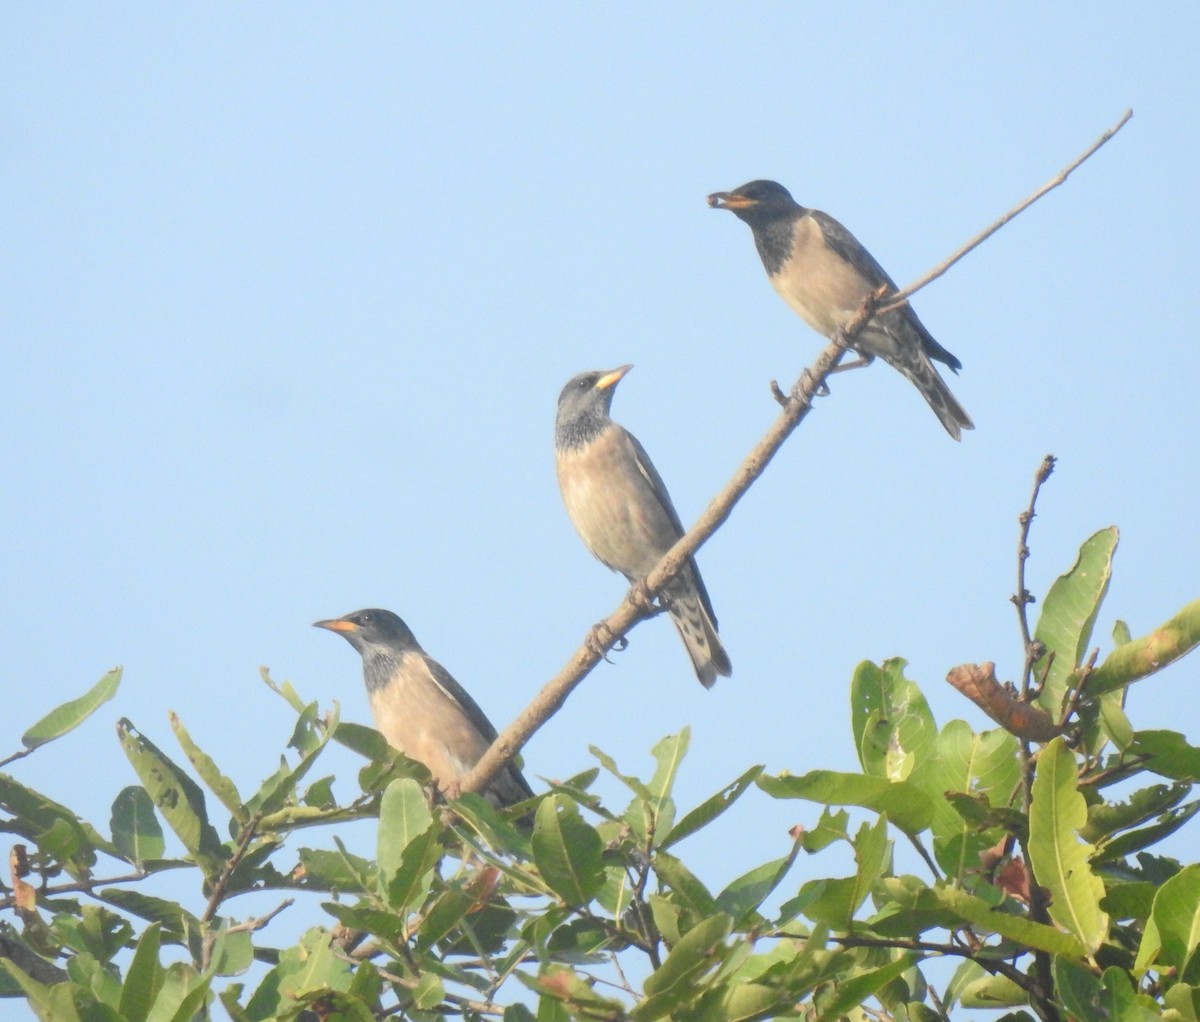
(730, 200)
(612, 378)
(336, 625)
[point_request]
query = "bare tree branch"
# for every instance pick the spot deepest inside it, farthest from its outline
(795, 407)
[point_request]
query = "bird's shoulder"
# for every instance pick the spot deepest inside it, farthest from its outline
(847, 247)
(445, 681)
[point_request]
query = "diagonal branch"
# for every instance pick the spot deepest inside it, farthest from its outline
(901, 297)
(796, 406)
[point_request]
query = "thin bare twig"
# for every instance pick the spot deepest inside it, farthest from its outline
(257, 923)
(901, 297)
(1023, 597)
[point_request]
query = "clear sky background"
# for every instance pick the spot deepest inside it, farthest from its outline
(290, 291)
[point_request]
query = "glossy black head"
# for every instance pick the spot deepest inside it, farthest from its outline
(584, 403)
(373, 629)
(757, 202)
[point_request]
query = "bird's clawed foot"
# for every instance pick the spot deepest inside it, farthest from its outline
(640, 596)
(600, 639)
(809, 383)
(859, 363)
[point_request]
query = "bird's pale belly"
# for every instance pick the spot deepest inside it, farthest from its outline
(613, 522)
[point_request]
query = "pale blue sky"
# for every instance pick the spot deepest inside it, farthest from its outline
(290, 292)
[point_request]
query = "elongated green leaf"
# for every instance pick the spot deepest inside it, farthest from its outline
(49, 1003)
(686, 888)
(408, 843)
(176, 922)
(838, 899)
(1168, 754)
(1142, 657)
(283, 689)
(905, 804)
(1069, 613)
(893, 727)
(144, 977)
(742, 898)
(177, 797)
(1176, 914)
(711, 808)
(853, 991)
(677, 981)
(217, 782)
(1034, 935)
(567, 851)
(57, 831)
(1079, 989)
(638, 787)
(309, 738)
(135, 829)
(1146, 837)
(70, 715)
(1121, 999)
(668, 754)
(1108, 818)
(1059, 858)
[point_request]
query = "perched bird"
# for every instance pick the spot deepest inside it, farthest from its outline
(821, 271)
(420, 709)
(623, 513)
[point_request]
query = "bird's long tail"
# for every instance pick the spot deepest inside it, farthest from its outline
(699, 634)
(921, 373)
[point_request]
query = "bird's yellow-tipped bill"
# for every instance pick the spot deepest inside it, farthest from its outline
(730, 200)
(336, 625)
(611, 378)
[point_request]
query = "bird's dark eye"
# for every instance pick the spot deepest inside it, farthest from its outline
(365, 618)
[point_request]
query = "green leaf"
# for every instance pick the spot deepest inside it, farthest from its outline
(176, 922)
(742, 898)
(689, 891)
(567, 850)
(1135, 660)
(135, 829)
(217, 782)
(1059, 858)
(312, 966)
(893, 726)
(182, 993)
(1176, 915)
(337, 871)
(57, 831)
(1108, 818)
(70, 715)
(177, 797)
(710, 808)
(638, 787)
(407, 843)
(1033, 935)
(1079, 989)
(853, 991)
(676, 982)
(1168, 754)
(905, 804)
(668, 754)
(309, 738)
(984, 767)
(49, 1003)
(284, 689)
(1068, 615)
(144, 978)
(840, 898)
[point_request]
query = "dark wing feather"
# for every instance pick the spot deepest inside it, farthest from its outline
(646, 467)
